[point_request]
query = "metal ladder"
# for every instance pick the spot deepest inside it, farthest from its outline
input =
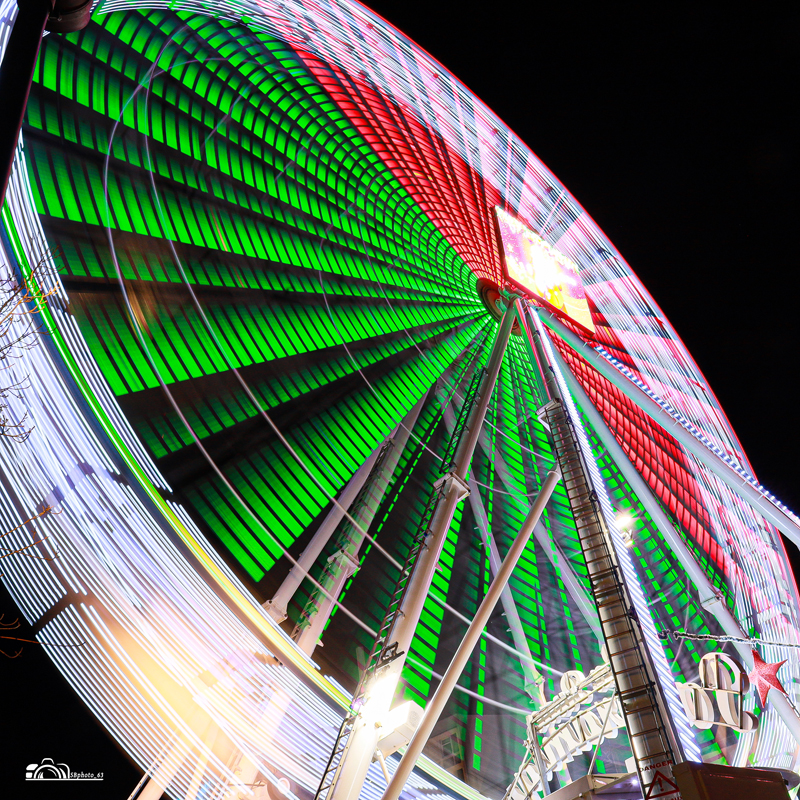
(461, 422)
(342, 540)
(644, 720)
(384, 651)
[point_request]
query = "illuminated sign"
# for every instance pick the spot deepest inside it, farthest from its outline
(723, 679)
(578, 718)
(541, 271)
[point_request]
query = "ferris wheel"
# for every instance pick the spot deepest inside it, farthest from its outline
(323, 342)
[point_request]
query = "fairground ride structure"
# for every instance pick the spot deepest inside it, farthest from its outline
(293, 401)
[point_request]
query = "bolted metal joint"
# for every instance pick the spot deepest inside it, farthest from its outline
(451, 479)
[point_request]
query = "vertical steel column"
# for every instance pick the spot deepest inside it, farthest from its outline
(654, 742)
(343, 779)
(536, 746)
(534, 680)
(345, 562)
(442, 694)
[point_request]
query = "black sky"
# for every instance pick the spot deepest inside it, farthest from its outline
(677, 132)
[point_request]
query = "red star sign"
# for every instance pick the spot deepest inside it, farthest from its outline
(765, 677)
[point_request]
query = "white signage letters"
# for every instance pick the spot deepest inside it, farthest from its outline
(722, 679)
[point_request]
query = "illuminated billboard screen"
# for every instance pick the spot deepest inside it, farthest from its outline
(541, 271)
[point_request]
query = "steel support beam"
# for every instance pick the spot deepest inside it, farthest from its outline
(538, 756)
(554, 555)
(346, 561)
(710, 597)
(534, 680)
(269, 723)
(749, 493)
(363, 738)
(442, 694)
(341, 565)
(532, 677)
(277, 605)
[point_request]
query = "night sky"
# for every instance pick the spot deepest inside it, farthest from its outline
(676, 131)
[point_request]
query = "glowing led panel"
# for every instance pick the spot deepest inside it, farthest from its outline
(539, 269)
